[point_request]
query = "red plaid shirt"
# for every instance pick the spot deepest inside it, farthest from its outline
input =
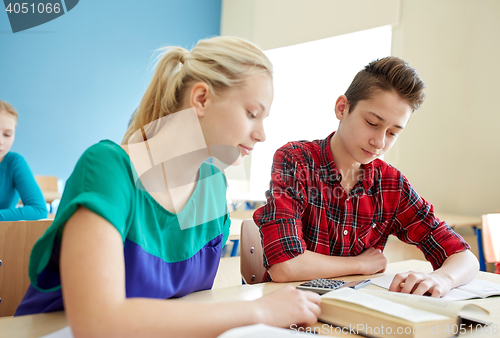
(307, 209)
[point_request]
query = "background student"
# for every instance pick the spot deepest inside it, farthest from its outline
(120, 246)
(16, 179)
(332, 203)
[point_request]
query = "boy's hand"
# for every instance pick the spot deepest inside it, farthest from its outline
(419, 283)
(372, 261)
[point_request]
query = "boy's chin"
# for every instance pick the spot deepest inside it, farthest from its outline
(366, 161)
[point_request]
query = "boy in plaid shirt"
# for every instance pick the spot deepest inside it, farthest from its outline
(332, 203)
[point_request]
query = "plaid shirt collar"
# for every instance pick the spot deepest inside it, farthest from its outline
(330, 174)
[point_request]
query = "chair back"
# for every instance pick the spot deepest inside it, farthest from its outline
(16, 241)
(491, 237)
(251, 253)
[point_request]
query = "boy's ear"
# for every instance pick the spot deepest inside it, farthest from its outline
(198, 97)
(341, 107)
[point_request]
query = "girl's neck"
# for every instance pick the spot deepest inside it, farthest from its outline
(168, 162)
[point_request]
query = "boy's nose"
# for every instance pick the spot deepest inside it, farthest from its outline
(378, 141)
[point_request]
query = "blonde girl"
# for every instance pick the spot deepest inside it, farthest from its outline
(136, 223)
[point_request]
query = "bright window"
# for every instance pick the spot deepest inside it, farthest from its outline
(308, 78)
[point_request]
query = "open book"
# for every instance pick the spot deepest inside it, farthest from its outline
(389, 314)
(477, 288)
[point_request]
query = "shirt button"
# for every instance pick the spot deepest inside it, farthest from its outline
(374, 225)
(345, 232)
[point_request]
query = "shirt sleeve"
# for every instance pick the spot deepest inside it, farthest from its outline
(280, 219)
(101, 182)
(417, 224)
(34, 207)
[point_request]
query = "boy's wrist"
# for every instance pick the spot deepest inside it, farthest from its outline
(444, 278)
(357, 263)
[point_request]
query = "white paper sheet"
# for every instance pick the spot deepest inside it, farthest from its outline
(475, 289)
(62, 333)
(262, 331)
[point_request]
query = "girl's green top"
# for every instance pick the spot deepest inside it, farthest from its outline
(166, 255)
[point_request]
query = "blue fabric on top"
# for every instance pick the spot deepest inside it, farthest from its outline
(145, 276)
(17, 181)
(150, 276)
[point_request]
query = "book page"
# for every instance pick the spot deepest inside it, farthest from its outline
(62, 333)
(383, 305)
(263, 331)
(437, 305)
(475, 289)
(482, 288)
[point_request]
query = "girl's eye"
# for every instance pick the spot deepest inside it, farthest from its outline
(392, 134)
(371, 124)
(250, 115)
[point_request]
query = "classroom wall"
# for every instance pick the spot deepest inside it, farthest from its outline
(278, 23)
(77, 79)
(451, 148)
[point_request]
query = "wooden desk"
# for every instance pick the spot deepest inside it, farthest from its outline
(42, 324)
(16, 241)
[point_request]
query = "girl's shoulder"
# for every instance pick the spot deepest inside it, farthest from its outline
(105, 149)
(13, 161)
(104, 165)
(12, 157)
(104, 156)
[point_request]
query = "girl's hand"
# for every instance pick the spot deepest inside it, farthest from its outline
(287, 306)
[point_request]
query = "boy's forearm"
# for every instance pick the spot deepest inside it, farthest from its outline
(312, 265)
(459, 268)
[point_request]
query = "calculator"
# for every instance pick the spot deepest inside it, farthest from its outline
(324, 285)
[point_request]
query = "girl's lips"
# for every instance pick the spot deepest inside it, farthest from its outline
(246, 150)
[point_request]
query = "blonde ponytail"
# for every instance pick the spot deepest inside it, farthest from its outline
(221, 62)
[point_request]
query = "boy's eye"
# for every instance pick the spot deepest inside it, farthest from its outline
(250, 115)
(392, 134)
(371, 124)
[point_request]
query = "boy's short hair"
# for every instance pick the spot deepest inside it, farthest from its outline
(387, 74)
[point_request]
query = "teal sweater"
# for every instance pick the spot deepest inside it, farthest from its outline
(17, 180)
